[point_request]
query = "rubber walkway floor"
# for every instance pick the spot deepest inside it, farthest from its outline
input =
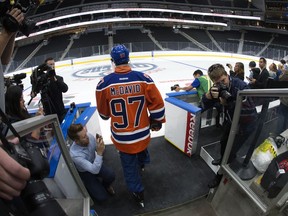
(171, 179)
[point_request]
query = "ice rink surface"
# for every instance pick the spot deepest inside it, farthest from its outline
(165, 68)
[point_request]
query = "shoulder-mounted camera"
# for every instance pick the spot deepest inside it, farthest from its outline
(10, 23)
(16, 79)
(40, 77)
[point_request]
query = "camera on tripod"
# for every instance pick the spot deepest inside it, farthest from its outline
(173, 88)
(10, 23)
(40, 77)
(16, 79)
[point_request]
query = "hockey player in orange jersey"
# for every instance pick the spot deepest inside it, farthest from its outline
(135, 106)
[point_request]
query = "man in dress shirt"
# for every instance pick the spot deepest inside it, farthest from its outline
(87, 155)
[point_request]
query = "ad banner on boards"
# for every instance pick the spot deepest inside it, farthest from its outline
(190, 133)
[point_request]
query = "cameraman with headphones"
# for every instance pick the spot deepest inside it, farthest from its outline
(13, 176)
(51, 89)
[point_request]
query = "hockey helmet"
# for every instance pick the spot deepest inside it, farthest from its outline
(120, 55)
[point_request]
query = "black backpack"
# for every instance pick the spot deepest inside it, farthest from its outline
(276, 175)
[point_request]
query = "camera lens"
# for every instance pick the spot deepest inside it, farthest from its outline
(173, 88)
(226, 95)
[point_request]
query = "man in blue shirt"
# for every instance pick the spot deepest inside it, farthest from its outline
(87, 155)
(202, 83)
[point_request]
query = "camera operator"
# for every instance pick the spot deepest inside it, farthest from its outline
(13, 176)
(51, 89)
(225, 91)
(6, 47)
(202, 83)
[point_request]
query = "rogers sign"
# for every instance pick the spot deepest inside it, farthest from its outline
(190, 133)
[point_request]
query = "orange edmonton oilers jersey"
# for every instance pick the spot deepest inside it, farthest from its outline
(130, 99)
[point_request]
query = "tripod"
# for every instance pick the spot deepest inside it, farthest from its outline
(46, 101)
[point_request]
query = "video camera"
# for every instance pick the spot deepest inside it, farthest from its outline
(36, 197)
(224, 91)
(40, 77)
(10, 23)
(173, 88)
(16, 79)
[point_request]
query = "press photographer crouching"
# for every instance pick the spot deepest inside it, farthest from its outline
(51, 86)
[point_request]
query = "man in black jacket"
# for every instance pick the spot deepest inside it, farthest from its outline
(51, 90)
(261, 80)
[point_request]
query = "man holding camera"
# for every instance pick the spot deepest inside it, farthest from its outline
(13, 176)
(51, 87)
(202, 83)
(225, 91)
(7, 41)
(87, 154)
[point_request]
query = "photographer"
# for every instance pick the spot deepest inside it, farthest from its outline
(202, 83)
(51, 87)
(225, 91)
(13, 176)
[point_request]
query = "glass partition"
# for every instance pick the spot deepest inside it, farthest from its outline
(256, 154)
(65, 185)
